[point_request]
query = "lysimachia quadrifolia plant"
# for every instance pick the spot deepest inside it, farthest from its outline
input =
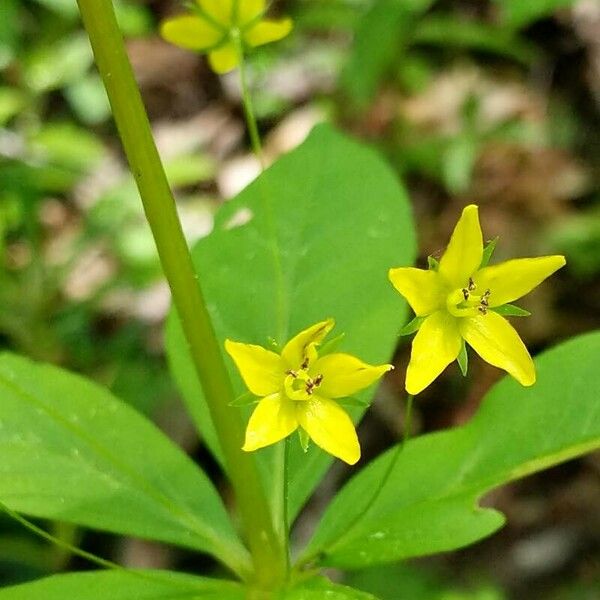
(461, 299)
(299, 388)
(328, 221)
(223, 29)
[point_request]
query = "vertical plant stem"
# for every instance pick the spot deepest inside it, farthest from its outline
(280, 480)
(270, 565)
(249, 108)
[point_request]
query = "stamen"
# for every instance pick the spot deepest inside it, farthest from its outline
(292, 373)
(304, 364)
(472, 285)
(484, 302)
(311, 384)
(465, 292)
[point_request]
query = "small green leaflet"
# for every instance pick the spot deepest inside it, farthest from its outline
(487, 252)
(433, 263)
(463, 359)
(412, 326)
(510, 310)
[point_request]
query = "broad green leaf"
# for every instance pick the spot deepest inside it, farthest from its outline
(319, 231)
(430, 501)
(320, 588)
(124, 585)
(74, 453)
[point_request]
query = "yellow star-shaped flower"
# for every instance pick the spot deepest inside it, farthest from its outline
(460, 300)
(297, 390)
(221, 27)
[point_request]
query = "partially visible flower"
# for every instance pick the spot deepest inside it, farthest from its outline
(222, 27)
(461, 300)
(297, 390)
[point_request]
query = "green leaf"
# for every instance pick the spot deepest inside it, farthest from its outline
(74, 453)
(510, 310)
(488, 251)
(53, 66)
(124, 585)
(412, 326)
(430, 501)
(334, 248)
(320, 588)
(463, 359)
(64, 145)
(382, 33)
(458, 162)
(88, 99)
(519, 14)
(450, 31)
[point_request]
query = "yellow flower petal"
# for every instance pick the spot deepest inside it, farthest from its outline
(248, 10)
(261, 370)
(435, 346)
(423, 290)
(224, 59)
(190, 32)
(330, 427)
(515, 278)
(464, 252)
(267, 31)
(344, 375)
(496, 341)
(294, 352)
(273, 419)
(219, 10)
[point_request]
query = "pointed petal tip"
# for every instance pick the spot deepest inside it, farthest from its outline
(351, 459)
(527, 380)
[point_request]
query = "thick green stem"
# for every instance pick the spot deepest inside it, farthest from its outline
(270, 564)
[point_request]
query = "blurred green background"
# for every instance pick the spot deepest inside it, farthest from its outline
(488, 101)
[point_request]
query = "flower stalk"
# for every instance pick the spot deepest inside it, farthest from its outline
(268, 557)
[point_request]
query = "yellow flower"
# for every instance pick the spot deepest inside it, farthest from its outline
(297, 390)
(221, 27)
(459, 300)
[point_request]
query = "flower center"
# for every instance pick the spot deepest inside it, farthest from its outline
(465, 303)
(299, 385)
